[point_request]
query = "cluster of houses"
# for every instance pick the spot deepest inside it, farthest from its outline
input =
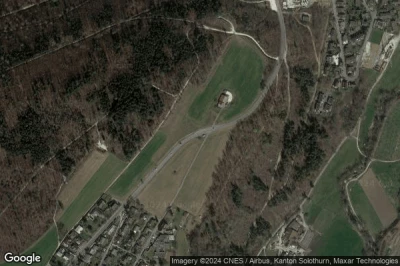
(388, 16)
(112, 234)
(77, 242)
(354, 21)
(293, 233)
(323, 102)
(163, 243)
(294, 239)
(93, 253)
(132, 236)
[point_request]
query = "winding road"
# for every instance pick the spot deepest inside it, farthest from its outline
(216, 127)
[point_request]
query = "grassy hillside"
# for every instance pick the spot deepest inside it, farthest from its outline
(389, 81)
(376, 36)
(389, 143)
(240, 72)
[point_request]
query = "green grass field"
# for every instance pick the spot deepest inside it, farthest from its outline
(340, 239)
(369, 76)
(240, 72)
(388, 176)
(389, 81)
(131, 177)
(182, 245)
(389, 143)
(92, 190)
(376, 36)
(324, 211)
(364, 208)
(44, 247)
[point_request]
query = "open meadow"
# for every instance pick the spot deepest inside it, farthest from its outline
(157, 196)
(378, 198)
(325, 213)
(388, 176)
(192, 196)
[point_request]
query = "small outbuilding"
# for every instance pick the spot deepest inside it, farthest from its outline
(224, 99)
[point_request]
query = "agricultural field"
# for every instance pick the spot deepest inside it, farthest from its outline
(240, 72)
(376, 36)
(364, 208)
(44, 247)
(132, 176)
(389, 82)
(388, 176)
(378, 198)
(92, 191)
(388, 147)
(325, 213)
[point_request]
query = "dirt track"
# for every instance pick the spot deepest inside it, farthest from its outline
(378, 198)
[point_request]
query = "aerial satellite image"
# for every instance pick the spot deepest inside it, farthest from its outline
(199, 132)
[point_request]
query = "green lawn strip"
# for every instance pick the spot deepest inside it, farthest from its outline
(326, 193)
(111, 167)
(324, 211)
(44, 247)
(131, 177)
(376, 36)
(369, 76)
(388, 148)
(364, 209)
(389, 81)
(240, 72)
(182, 245)
(388, 176)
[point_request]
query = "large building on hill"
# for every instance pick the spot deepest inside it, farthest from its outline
(224, 99)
